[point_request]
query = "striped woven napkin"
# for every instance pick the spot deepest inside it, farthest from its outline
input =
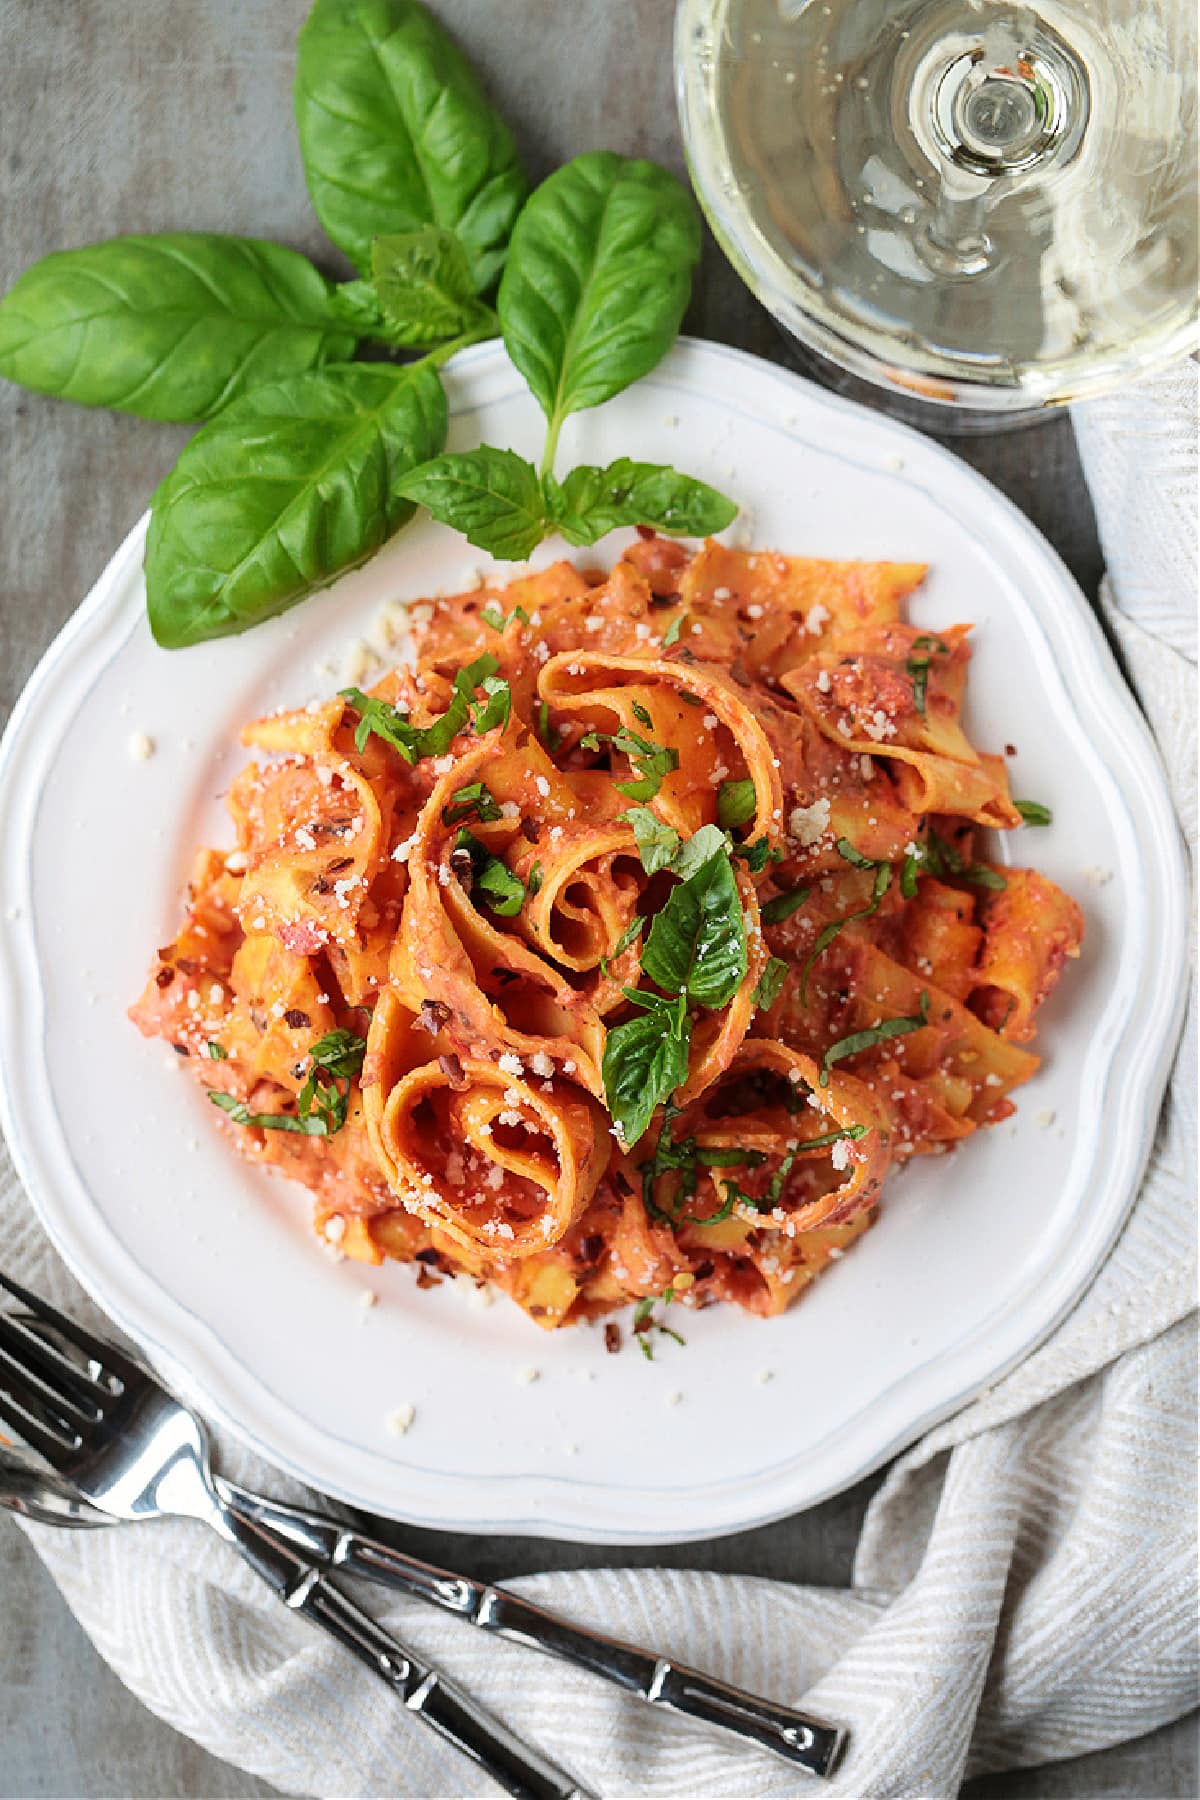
(1024, 1587)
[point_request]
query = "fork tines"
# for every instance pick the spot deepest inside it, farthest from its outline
(45, 1397)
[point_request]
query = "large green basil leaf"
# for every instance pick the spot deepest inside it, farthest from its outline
(697, 943)
(645, 1060)
(591, 501)
(492, 496)
(597, 279)
(396, 133)
(170, 327)
(287, 488)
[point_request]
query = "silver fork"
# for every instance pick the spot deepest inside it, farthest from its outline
(805, 1742)
(135, 1452)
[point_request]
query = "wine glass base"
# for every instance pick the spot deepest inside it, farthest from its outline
(935, 418)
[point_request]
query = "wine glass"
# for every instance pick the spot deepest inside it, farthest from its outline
(986, 205)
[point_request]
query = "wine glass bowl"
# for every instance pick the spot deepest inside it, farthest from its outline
(984, 204)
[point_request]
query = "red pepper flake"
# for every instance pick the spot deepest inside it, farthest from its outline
(165, 977)
(432, 1016)
(453, 1070)
(295, 1019)
(612, 1338)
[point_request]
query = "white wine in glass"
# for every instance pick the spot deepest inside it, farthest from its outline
(985, 205)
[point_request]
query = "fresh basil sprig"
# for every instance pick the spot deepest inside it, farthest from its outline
(492, 496)
(396, 132)
(598, 276)
(1033, 812)
(308, 464)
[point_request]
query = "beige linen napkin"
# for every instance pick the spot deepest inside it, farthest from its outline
(1024, 1588)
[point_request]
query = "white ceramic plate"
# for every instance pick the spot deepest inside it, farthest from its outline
(211, 1265)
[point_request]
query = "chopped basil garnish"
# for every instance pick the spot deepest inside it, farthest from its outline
(321, 1104)
(640, 714)
(477, 800)
(695, 950)
(877, 1034)
(413, 742)
(757, 855)
(854, 1132)
(733, 1193)
(657, 843)
(943, 860)
(501, 889)
(630, 935)
(908, 875)
(883, 877)
(661, 847)
(546, 731)
(644, 1322)
(686, 1158)
(240, 1113)
(216, 1052)
(918, 667)
(645, 1060)
(770, 983)
(736, 802)
(784, 905)
(671, 635)
(697, 941)
(491, 615)
(651, 761)
(979, 875)
(704, 844)
(534, 884)
(1033, 812)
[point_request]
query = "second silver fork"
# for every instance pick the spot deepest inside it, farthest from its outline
(135, 1452)
(662, 1681)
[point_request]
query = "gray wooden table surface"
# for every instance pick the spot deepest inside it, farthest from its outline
(127, 115)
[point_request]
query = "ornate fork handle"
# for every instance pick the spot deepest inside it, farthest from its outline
(518, 1768)
(807, 1743)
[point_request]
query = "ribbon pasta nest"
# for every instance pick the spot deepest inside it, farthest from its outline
(619, 943)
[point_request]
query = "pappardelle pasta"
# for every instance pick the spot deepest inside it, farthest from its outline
(617, 944)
